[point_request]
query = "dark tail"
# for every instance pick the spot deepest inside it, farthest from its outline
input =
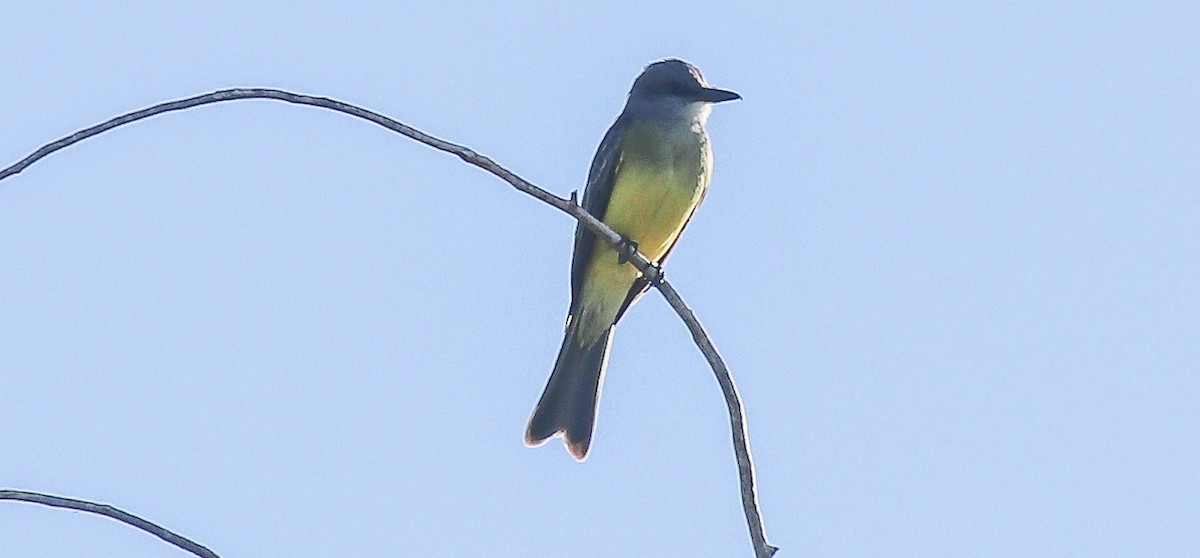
(568, 404)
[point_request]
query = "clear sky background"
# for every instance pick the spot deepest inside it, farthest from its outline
(951, 253)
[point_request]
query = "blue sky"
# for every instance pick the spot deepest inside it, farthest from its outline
(950, 253)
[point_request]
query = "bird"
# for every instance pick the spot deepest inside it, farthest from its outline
(647, 178)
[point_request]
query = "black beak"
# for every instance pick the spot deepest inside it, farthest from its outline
(711, 95)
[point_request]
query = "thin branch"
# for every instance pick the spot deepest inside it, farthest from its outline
(737, 421)
(762, 549)
(110, 512)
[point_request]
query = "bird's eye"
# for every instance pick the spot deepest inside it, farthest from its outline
(675, 87)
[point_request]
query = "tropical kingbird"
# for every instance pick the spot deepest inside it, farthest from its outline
(647, 178)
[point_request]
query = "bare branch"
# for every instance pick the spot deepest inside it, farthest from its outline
(110, 512)
(737, 421)
(762, 548)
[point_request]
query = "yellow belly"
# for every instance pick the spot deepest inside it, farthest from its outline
(650, 204)
(650, 207)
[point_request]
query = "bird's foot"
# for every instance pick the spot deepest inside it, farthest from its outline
(627, 250)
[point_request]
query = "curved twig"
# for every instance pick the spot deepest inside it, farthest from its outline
(762, 548)
(113, 513)
(737, 421)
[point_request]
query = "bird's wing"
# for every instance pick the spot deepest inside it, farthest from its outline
(601, 177)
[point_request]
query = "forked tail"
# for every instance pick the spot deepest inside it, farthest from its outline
(568, 405)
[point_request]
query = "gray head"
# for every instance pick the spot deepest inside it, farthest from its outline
(674, 84)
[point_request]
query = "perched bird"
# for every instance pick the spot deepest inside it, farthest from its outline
(647, 178)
